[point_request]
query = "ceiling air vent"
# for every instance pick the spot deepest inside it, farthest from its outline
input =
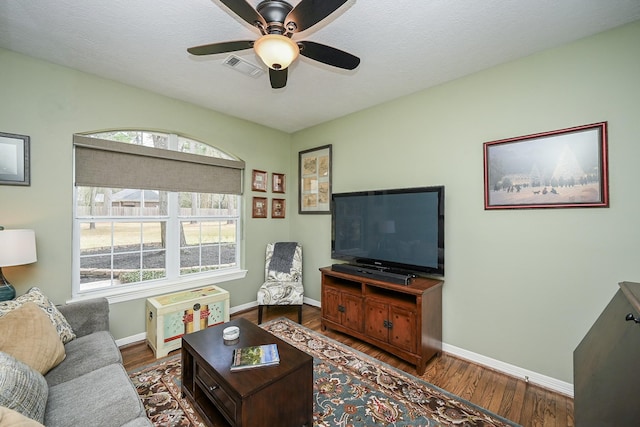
(243, 66)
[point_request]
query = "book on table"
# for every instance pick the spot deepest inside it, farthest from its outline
(255, 356)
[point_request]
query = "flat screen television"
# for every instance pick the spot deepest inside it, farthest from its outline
(398, 230)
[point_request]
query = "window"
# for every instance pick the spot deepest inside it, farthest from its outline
(150, 220)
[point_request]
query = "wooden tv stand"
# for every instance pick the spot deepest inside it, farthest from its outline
(405, 320)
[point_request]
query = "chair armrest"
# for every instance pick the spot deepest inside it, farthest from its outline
(88, 316)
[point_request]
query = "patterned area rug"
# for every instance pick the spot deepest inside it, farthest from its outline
(159, 388)
(351, 389)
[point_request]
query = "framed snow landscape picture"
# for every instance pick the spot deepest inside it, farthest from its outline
(564, 168)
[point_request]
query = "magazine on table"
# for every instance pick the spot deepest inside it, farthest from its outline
(255, 356)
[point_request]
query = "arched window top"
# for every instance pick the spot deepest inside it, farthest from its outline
(163, 141)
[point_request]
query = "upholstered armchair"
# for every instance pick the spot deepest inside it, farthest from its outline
(283, 277)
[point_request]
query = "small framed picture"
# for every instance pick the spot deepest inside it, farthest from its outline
(14, 159)
(259, 209)
(277, 183)
(259, 180)
(278, 208)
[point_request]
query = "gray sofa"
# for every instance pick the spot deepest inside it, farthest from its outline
(91, 387)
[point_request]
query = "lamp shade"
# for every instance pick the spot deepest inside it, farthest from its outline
(276, 51)
(17, 247)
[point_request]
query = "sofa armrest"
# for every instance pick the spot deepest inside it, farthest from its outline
(88, 316)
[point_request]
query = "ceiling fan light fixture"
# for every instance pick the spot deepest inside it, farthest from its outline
(276, 51)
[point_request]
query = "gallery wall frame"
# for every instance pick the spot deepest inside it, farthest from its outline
(259, 207)
(565, 168)
(278, 208)
(259, 180)
(314, 186)
(15, 159)
(278, 183)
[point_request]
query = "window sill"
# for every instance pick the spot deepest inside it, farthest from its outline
(150, 290)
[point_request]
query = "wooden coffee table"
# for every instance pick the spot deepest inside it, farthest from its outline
(279, 395)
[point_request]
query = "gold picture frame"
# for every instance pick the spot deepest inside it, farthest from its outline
(314, 196)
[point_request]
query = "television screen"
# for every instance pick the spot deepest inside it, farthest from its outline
(394, 230)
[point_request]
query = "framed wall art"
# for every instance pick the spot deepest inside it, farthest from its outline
(259, 207)
(278, 208)
(564, 168)
(259, 180)
(315, 180)
(14, 159)
(277, 183)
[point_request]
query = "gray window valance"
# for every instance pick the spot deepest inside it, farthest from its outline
(103, 163)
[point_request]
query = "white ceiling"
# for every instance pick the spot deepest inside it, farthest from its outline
(404, 46)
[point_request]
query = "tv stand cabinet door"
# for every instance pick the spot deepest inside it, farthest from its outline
(353, 314)
(377, 319)
(331, 307)
(403, 333)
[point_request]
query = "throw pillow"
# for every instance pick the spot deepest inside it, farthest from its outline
(35, 295)
(29, 336)
(21, 388)
(11, 418)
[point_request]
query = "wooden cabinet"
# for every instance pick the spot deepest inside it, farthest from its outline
(606, 380)
(405, 320)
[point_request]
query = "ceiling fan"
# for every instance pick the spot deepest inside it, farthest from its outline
(277, 21)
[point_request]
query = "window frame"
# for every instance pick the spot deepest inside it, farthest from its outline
(173, 282)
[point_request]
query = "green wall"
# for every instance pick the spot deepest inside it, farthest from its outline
(50, 103)
(522, 286)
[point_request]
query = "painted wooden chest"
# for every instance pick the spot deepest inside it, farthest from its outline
(171, 316)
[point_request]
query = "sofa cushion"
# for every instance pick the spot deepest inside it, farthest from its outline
(11, 418)
(22, 388)
(36, 296)
(105, 397)
(29, 336)
(85, 354)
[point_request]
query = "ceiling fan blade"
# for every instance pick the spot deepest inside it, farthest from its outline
(309, 12)
(328, 55)
(244, 10)
(278, 78)
(211, 49)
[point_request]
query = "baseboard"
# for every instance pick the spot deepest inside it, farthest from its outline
(550, 383)
(131, 339)
(311, 302)
(506, 368)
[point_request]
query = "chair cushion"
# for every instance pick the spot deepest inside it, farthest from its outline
(281, 293)
(22, 388)
(29, 336)
(35, 295)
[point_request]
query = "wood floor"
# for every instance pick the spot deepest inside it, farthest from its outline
(512, 398)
